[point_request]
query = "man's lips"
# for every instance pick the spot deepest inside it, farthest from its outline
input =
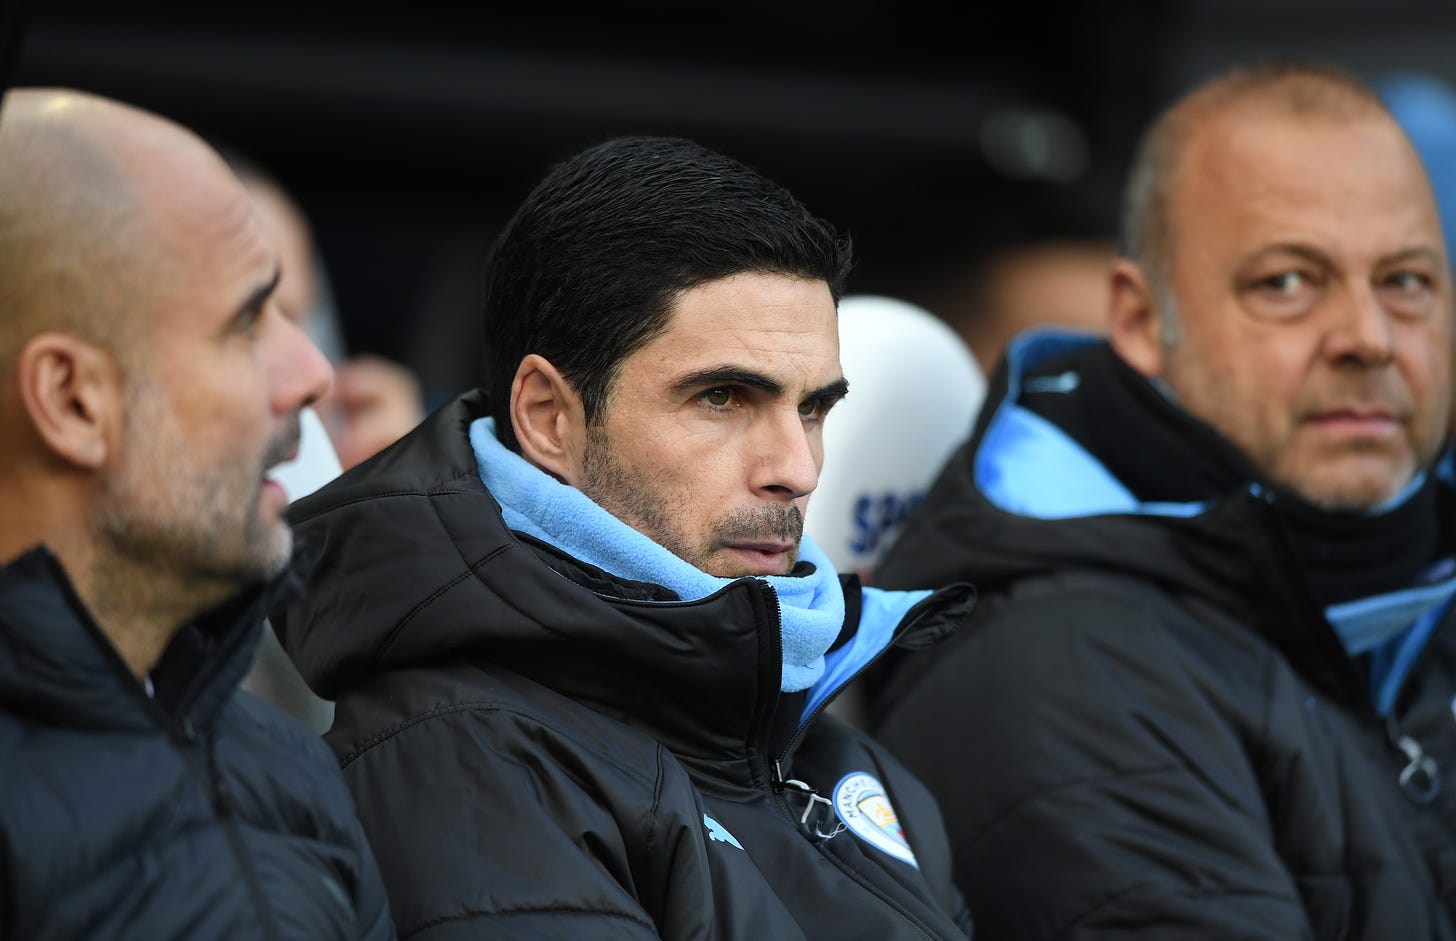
(1355, 420)
(766, 546)
(270, 480)
(767, 551)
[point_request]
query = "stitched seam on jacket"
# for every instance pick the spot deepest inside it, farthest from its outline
(1271, 671)
(432, 597)
(472, 571)
(470, 915)
(656, 803)
(1067, 785)
(404, 725)
(380, 495)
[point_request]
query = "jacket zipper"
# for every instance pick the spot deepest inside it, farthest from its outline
(189, 743)
(905, 628)
(778, 784)
(1419, 777)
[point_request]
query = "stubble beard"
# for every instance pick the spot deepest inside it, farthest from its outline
(1338, 495)
(187, 534)
(630, 497)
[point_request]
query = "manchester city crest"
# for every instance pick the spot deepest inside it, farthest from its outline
(861, 803)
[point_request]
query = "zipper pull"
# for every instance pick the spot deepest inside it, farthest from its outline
(183, 732)
(815, 805)
(1421, 778)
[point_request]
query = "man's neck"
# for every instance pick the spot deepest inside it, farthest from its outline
(1162, 454)
(137, 606)
(140, 607)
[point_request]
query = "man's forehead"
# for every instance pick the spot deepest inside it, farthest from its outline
(772, 323)
(212, 241)
(1300, 178)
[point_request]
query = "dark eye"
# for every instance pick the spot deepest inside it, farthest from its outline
(1285, 282)
(1408, 281)
(810, 408)
(718, 398)
(249, 321)
(1286, 294)
(1409, 293)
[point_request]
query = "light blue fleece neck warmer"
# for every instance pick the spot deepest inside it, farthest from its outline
(811, 607)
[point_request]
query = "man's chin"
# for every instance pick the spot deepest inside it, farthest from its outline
(1361, 487)
(737, 562)
(269, 549)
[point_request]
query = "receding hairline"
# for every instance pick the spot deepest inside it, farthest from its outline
(1292, 90)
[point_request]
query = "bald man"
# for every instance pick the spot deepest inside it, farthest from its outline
(1208, 685)
(147, 383)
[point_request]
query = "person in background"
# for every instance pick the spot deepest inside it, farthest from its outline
(1038, 255)
(374, 399)
(1206, 691)
(1040, 282)
(579, 649)
(148, 381)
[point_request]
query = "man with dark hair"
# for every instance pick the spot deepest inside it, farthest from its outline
(1207, 688)
(148, 381)
(579, 649)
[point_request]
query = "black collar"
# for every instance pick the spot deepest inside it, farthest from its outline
(1163, 454)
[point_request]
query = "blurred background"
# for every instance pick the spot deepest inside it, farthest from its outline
(937, 135)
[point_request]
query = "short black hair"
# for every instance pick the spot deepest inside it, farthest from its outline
(589, 268)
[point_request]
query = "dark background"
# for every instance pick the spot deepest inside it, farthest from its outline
(931, 132)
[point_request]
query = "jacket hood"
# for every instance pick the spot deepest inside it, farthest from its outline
(413, 563)
(1023, 496)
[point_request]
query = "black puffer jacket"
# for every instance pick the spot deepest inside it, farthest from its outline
(541, 751)
(1148, 728)
(201, 813)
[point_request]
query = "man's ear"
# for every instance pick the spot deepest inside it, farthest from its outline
(72, 391)
(1135, 323)
(548, 419)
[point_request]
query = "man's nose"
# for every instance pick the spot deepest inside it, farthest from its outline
(1360, 331)
(300, 373)
(788, 459)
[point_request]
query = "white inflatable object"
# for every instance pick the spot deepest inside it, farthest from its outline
(914, 393)
(316, 464)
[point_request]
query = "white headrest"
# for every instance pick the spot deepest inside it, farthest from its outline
(317, 462)
(914, 392)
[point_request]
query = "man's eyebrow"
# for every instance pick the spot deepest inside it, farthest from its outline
(257, 299)
(725, 376)
(738, 376)
(833, 391)
(1307, 252)
(1410, 254)
(1315, 256)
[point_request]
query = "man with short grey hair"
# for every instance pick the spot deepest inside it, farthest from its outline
(1206, 691)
